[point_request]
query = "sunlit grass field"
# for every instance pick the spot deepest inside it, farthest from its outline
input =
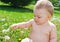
(10, 15)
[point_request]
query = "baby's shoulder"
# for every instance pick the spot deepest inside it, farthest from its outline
(52, 25)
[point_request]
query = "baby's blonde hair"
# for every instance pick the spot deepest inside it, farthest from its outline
(45, 4)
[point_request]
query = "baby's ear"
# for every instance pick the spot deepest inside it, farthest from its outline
(49, 16)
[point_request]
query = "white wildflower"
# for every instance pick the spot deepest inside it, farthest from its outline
(4, 31)
(6, 37)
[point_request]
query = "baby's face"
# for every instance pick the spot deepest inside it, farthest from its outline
(41, 16)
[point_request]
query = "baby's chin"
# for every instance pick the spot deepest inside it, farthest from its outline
(39, 23)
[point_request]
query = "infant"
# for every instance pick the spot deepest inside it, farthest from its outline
(42, 29)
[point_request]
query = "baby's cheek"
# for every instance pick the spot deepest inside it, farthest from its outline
(40, 20)
(36, 20)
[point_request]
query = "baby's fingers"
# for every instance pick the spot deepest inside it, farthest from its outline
(14, 26)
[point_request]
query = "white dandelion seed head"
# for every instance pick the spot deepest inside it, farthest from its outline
(4, 31)
(7, 37)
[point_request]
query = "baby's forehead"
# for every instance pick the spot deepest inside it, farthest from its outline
(41, 11)
(40, 15)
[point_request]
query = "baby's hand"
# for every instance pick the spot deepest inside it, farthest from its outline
(14, 26)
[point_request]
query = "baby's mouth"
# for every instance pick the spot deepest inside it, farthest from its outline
(37, 22)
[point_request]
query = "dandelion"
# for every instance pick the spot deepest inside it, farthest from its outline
(6, 37)
(19, 39)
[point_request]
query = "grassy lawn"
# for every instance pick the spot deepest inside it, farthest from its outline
(10, 15)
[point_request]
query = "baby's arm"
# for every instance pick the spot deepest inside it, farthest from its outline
(53, 35)
(22, 25)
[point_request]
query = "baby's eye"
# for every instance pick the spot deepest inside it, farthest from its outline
(39, 17)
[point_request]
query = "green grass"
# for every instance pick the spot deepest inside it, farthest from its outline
(10, 15)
